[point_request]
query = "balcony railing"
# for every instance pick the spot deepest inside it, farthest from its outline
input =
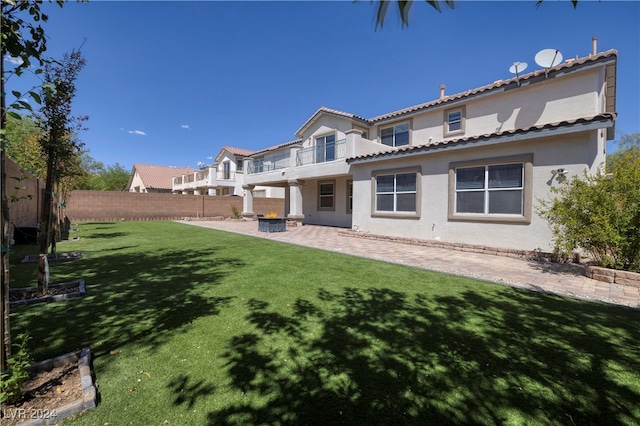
(228, 175)
(322, 153)
(263, 168)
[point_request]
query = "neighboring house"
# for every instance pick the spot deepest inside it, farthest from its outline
(149, 178)
(224, 177)
(466, 168)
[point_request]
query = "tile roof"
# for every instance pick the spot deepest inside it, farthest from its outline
(276, 147)
(570, 63)
(241, 152)
(325, 110)
(603, 119)
(159, 177)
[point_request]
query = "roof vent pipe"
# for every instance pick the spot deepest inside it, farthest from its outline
(594, 44)
(442, 91)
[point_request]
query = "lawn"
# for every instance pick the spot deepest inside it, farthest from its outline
(197, 326)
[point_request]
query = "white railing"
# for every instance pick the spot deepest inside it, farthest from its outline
(324, 153)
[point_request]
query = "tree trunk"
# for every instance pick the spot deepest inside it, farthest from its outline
(44, 236)
(55, 228)
(5, 330)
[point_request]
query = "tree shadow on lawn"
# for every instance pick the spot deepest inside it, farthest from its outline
(379, 356)
(142, 299)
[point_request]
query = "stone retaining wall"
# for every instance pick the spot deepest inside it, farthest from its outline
(497, 251)
(613, 276)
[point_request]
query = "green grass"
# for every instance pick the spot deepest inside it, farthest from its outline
(217, 328)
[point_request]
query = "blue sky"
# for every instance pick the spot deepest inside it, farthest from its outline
(170, 83)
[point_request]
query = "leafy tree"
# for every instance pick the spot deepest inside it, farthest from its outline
(59, 143)
(24, 39)
(626, 142)
(23, 145)
(600, 214)
(113, 178)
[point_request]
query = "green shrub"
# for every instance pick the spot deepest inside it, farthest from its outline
(600, 214)
(236, 213)
(12, 379)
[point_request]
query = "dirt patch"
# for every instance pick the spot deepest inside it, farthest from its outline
(44, 393)
(57, 388)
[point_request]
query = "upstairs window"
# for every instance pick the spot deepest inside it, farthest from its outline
(454, 121)
(226, 170)
(325, 148)
(395, 136)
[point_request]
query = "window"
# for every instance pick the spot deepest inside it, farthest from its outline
(326, 195)
(454, 121)
(239, 165)
(397, 193)
(258, 165)
(349, 196)
(396, 135)
(497, 190)
(325, 148)
(226, 167)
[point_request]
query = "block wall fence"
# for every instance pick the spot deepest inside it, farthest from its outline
(107, 206)
(29, 191)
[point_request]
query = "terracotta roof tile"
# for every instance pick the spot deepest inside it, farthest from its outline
(330, 111)
(238, 151)
(275, 147)
(159, 177)
(571, 63)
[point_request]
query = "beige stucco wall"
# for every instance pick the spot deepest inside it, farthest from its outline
(137, 182)
(573, 152)
(336, 217)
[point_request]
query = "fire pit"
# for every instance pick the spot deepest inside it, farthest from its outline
(272, 223)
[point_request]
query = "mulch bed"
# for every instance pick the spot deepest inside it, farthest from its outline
(29, 295)
(60, 257)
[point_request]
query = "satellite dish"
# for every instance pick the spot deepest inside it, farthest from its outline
(548, 58)
(516, 68)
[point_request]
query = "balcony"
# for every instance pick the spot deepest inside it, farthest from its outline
(269, 163)
(226, 175)
(199, 180)
(322, 153)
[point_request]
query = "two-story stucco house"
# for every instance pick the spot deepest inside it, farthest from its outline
(224, 177)
(465, 168)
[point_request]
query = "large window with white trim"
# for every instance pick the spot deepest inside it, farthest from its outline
(397, 135)
(495, 189)
(498, 189)
(396, 192)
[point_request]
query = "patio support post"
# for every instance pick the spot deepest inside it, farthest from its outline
(247, 202)
(295, 200)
